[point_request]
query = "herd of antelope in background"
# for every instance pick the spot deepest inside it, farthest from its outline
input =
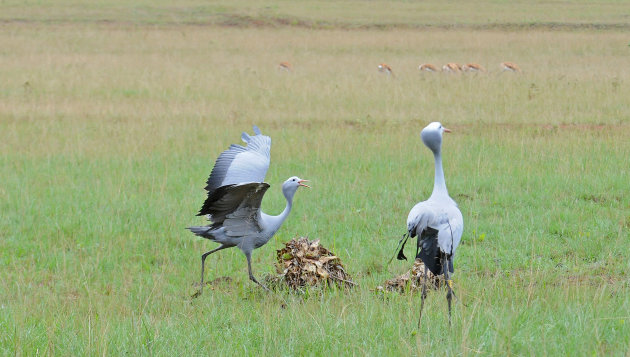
(427, 67)
(454, 68)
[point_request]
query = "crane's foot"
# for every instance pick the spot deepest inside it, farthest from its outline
(259, 283)
(199, 291)
(196, 294)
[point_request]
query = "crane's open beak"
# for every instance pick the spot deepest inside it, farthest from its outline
(447, 130)
(301, 183)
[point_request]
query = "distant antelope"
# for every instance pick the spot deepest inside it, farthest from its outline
(428, 68)
(510, 66)
(385, 68)
(473, 67)
(452, 68)
(285, 66)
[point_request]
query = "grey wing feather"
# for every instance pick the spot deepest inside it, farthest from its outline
(221, 167)
(246, 218)
(240, 164)
(451, 229)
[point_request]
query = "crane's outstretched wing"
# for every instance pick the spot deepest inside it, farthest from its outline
(241, 164)
(227, 199)
(245, 220)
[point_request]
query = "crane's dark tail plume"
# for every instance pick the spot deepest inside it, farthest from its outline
(429, 252)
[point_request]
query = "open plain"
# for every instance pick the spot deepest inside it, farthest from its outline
(111, 116)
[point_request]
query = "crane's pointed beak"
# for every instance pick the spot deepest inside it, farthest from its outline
(301, 183)
(447, 130)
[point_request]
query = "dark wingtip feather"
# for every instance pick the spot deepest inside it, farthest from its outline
(401, 243)
(213, 196)
(226, 199)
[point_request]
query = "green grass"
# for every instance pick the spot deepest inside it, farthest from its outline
(108, 132)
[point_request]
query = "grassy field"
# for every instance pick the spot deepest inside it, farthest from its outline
(329, 13)
(111, 116)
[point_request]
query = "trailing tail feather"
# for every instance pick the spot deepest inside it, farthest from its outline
(201, 231)
(429, 252)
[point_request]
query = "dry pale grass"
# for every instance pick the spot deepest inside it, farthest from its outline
(193, 73)
(325, 14)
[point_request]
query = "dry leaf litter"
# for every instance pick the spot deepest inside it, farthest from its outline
(303, 262)
(412, 280)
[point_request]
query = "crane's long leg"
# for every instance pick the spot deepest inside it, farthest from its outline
(449, 294)
(203, 261)
(249, 268)
(424, 293)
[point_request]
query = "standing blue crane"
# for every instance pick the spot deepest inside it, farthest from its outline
(235, 191)
(437, 222)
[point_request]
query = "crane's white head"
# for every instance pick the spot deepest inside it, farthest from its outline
(432, 136)
(290, 186)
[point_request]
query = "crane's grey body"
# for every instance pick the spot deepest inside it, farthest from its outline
(442, 214)
(235, 192)
(437, 222)
(241, 223)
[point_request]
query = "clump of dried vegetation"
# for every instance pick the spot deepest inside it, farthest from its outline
(302, 263)
(412, 280)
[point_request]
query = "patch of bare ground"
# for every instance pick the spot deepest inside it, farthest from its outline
(222, 283)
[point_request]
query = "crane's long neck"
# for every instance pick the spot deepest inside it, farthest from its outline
(439, 185)
(275, 222)
(287, 209)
